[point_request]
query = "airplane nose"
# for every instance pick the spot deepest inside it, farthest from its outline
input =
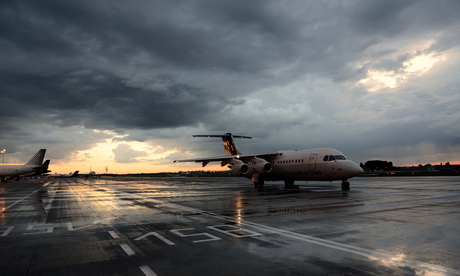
(355, 169)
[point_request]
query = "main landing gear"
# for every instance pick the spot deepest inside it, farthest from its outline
(289, 183)
(259, 183)
(345, 186)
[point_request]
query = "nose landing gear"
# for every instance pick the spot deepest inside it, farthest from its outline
(345, 186)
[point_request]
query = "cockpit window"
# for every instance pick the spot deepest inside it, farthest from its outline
(334, 157)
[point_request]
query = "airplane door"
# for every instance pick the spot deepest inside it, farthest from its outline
(312, 162)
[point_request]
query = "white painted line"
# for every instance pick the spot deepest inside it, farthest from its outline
(147, 271)
(212, 237)
(127, 249)
(24, 198)
(70, 226)
(103, 221)
(114, 235)
(7, 231)
(45, 229)
(156, 235)
(236, 230)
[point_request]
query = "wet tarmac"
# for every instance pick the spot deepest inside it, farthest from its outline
(225, 226)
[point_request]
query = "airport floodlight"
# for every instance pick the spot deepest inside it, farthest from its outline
(3, 153)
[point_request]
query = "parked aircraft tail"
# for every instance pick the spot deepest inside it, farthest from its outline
(42, 169)
(228, 142)
(37, 159)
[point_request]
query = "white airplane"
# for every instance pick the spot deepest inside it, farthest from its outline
(34, 165)
(66, 175)
(309, 164)
(92, 174)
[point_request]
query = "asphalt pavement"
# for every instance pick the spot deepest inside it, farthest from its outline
(225, 226)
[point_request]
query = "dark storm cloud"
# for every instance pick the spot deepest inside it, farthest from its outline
(99, 100)
(212, 35)
(255, 37)
(155, 65)
(381, 17)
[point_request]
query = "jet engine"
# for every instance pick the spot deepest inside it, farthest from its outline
(240, 169)
(263, 167)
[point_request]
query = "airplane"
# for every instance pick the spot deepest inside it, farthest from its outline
(40, 170)
(92, 174)
(58, 175)
(34, 165)
(322, 164)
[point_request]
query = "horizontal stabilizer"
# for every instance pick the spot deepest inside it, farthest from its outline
(228, 142)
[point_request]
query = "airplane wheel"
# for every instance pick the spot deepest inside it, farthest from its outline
(345, 186)
(288, 183)
(259, 184)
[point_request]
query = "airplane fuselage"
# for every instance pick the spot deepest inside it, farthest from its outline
(34, 165)
(15, 170)
(311, 164)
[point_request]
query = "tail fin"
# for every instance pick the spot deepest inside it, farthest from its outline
(46, 164)
(228, 142)
(42, 169)
(74, 174)
(37, 159)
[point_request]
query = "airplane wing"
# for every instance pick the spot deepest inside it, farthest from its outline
(228, 158)
(223, 159)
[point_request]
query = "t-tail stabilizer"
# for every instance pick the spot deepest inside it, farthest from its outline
(228, 142)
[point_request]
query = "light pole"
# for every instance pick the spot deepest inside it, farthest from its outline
(3, 153)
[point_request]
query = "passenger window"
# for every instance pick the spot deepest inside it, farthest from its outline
(331, 158)
(325, 158)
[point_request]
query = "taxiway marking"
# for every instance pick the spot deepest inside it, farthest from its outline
(234, 231)
(114, 235)
(127, 249)
(156, 235)
(44, 229)
(211, 237)
(24, 198)
(147, 271)
(70, 226)
(7, 231)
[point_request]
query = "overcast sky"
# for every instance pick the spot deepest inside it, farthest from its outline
(125, 84)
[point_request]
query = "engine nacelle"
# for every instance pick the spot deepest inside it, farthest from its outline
(263, 167)
(240, 169)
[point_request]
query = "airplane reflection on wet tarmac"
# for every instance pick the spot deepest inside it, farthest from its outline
(177, 226)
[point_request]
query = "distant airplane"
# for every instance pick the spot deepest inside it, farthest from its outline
(309, 164)
(58, 175)
(92, 174)
(31, 167)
